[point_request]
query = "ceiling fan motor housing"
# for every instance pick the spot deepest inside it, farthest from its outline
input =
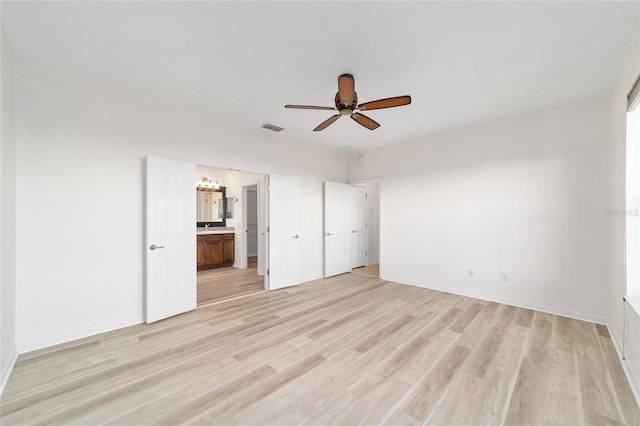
(346, 109)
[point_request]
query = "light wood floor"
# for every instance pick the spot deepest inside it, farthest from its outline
(368, 271)
(216, 285)
(346, 350)
(252, 262)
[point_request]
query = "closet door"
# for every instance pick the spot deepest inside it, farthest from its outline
(338, 224)
(359, 231)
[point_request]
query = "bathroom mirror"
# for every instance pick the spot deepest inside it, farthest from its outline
(211, 207)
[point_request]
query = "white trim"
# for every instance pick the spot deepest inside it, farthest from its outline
(635, 387)
(7, 369)
(80, 334)
(634, 303)
(506, 301)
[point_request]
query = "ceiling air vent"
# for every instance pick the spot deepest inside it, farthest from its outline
(272, 127)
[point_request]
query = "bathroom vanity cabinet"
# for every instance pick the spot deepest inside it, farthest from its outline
(215, 251)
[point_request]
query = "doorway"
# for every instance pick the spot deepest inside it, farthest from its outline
(176, 249)
(236, 239)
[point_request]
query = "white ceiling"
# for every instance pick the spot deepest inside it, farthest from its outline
(462, 62)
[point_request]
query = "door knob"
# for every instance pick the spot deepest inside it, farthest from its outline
(354, 232)
(329, 234)
(153, 247)
(296, 236)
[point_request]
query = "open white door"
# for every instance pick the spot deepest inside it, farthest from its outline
(284, 232)
(262, 227)
(170, 238)
(359, 231)
(338, 214)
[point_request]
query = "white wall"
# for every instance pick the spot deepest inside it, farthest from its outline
(212, 174)
(7, 217)
(617, 203)
(523, 196)
(80, 168)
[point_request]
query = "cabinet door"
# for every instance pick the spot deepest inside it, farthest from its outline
(200, 249)
(213, 250)
(229, 248)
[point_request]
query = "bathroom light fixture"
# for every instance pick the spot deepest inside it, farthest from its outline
(207, 183)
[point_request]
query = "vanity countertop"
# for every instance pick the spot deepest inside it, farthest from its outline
(215, 230)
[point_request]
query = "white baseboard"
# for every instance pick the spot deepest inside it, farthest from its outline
(506, 301)
(8, 368)
(78, 334)
(635, 387)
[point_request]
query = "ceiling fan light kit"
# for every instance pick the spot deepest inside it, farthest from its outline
(346, 101)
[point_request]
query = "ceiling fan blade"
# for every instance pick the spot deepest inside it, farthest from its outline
(365, 121)
(326, 123)
(385, 103)
(346, 89)
(310, 107)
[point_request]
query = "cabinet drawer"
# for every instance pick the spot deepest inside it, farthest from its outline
(228, 236)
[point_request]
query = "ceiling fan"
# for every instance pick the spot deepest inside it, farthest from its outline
(347, 102)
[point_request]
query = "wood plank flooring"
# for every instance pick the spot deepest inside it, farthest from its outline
(345, 350)
(216, 285)
(252, 262)
(368, 271)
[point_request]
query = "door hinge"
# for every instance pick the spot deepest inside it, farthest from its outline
(366, 195)
(366, 253)
(268, 227)
(267, 271)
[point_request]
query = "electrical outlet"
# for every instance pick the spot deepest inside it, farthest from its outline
(471, 272)
(505, 277)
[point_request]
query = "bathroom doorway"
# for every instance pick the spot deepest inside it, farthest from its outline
(231, 250)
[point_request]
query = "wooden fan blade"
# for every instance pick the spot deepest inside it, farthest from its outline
(346, 89)
(385, 103)
(326, 123)
(310, 107)
(365, 121)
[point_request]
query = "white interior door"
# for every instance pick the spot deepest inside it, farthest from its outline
(359, 231)
(338, 213)
(252, 220)
(284, 232)
(170, 238)
(262, 226)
